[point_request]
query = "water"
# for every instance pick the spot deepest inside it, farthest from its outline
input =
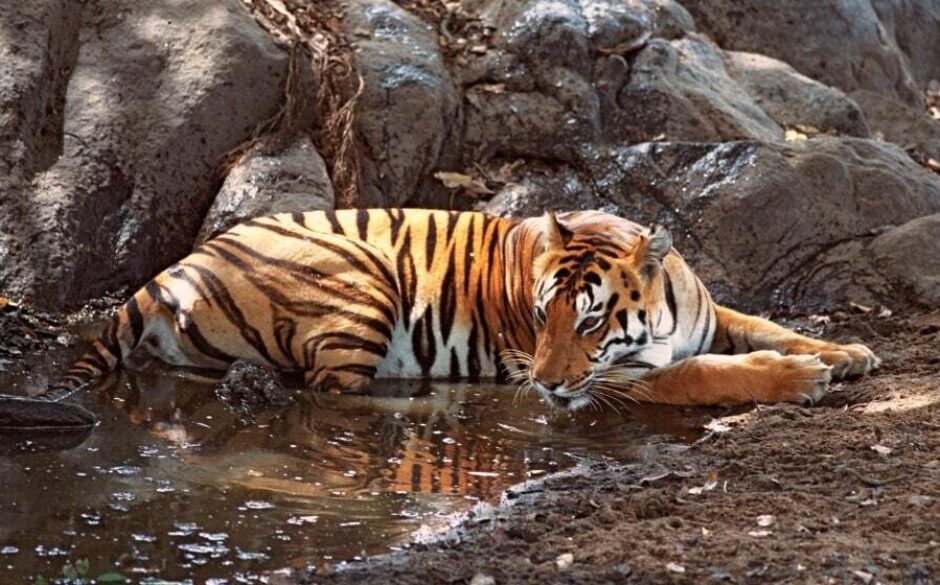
(172, 485)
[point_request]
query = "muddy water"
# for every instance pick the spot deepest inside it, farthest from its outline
(172, 485)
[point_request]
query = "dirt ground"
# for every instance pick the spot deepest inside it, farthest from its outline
(844, 492)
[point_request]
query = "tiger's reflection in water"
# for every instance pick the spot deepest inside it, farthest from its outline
(407, 437)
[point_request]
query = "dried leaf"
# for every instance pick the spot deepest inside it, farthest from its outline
(794, 136)
(462, 181)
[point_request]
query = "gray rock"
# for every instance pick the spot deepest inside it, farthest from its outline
(842, 43)
(908, 257)
(140, 139)
(900, 123)
(408, 112)
(681, 89)
(270, 178)
(791, 98)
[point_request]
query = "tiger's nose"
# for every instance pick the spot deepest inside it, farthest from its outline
(549, 385)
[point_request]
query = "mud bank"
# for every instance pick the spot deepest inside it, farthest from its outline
(845, 492)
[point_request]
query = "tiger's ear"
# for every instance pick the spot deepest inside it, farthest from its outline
(653, 245)
(556, 235)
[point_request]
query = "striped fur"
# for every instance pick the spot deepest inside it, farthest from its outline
(576, 306)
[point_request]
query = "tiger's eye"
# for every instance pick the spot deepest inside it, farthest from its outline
(588, 324)
(539, 315)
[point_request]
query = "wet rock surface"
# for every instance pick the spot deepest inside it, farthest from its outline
(247, 389)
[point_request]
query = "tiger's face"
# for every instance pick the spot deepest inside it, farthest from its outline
(594, 300)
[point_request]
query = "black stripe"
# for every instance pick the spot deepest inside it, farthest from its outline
(284, 332)
(448, 306)
(670, 301)
(136, 319)
(430, 241)
(422, 341)
(362, 224)
(454, 365)
(406, 278)
(335, 226)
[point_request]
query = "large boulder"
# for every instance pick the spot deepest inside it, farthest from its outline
(842, 43)
(758, 221)
(792, 99)
(408, 112)
(908, 257)
(274, 176)
(138, 137)
(896, 122)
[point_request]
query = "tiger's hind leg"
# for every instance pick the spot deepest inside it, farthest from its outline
(761, 376)
(739, 333)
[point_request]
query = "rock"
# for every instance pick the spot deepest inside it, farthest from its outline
(482, 579)
(270, 178)
(900, 123)
(37, 49)
(762, 224)
(908, 257)
(246, 388)
(842, 44)
(136, 142)
(408, 112)
(680, 89)
(793, 99)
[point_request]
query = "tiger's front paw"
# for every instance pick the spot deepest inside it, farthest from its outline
(849, 360)
(800, 378)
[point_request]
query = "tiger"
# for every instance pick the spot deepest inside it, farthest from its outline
(585, 307)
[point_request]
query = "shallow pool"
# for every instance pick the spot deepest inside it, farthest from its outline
(172, 485)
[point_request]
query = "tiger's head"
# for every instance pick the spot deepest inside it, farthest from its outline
(596, 293)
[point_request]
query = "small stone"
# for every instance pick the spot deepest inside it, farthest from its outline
(921, 500)
(882, 450)
(564, 561)
(482, 579)
(765, 520)
(675, 568)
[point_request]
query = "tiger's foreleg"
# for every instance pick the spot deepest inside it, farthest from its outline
(738, 333)
(761, 376)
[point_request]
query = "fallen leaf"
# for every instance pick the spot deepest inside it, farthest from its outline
(759, 533)
(793, 136)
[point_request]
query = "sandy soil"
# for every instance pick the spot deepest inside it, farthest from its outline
(845, 492)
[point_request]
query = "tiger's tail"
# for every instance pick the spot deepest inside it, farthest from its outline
(120, 337)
